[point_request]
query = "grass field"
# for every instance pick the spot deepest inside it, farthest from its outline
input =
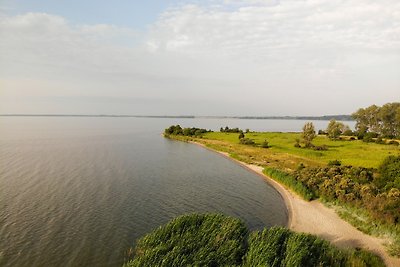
(283, 154)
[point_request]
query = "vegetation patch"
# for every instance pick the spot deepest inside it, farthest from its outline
(219, 240)
(290, 182)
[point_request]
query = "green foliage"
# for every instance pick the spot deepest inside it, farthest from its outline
(246, 141)
(356, 186)
(267, 247)
(196, 240)
(335, 129)
(383, 120)
(389, 173)
(229, 130)
(369, 137)
(219, 240)
(265, 144)
(177, 130)
(291, 182)
(308, 133)
(278, 246)
(334, 163)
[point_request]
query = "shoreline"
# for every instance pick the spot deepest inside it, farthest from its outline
(315, 218)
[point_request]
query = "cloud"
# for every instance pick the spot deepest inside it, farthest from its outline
(245, 57)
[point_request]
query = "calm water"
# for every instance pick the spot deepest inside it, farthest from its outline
(80, 191)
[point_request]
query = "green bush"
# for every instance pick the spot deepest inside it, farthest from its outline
(246, 141)
(389, 173)
(334, 163)
(196, 240)
(219, 240)
(265, 144)
(291, 182)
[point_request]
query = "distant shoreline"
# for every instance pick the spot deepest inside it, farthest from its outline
(322, 118)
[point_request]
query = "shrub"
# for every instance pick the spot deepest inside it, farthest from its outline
(229, 130)
(348, 132)
(297, 144)
(219, 240)
(291, 182)
(379, 140)
(368, 137)
(195, 240)
(389, 172)
(320, 148)
(265, 144)
(300, 166)
(177, 130)
(247, 141)
(334, 163)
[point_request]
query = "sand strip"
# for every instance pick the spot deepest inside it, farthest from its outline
(315, 218)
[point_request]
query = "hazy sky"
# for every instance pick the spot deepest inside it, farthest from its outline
(216, 57)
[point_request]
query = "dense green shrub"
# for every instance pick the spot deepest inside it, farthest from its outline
(178, 130)
(219, 240)
(246, 141)
(265, 144)
(369, 137)
(376, 192)
(230, 130)
(196, 240)
(291, 182)
(334, 163)
(389, 173)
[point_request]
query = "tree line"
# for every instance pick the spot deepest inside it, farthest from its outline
(383, 121)
(178, 130)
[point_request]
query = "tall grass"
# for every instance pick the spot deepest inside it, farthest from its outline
(290, 182)
(218, 240)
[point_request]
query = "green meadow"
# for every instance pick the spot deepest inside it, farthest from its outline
(349, 152)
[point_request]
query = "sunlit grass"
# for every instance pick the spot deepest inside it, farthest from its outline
(355, 153)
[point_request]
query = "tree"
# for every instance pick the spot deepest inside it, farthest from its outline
(335, 129)
(388, 114)
(384, 121)
(308, 134)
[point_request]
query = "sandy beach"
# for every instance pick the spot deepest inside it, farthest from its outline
(315, 218)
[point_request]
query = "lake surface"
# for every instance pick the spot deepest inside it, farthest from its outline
(80, 191)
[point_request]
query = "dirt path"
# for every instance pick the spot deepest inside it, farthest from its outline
(315, 218)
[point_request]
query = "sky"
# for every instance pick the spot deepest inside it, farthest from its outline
(210, 57)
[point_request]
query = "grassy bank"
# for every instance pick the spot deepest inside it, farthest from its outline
(355, 153)
(219, 240)
(353, 191)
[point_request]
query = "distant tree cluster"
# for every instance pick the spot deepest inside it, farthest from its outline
(383, 121)
(219, 240)
(335, 129)
(230, 130)
(376, 191)
(307, 135)
(178, 130)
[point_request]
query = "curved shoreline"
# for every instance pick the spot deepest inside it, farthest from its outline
(315, 218)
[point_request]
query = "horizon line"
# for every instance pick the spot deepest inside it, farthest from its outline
(327, 117)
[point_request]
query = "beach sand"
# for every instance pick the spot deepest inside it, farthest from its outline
(315, 218)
